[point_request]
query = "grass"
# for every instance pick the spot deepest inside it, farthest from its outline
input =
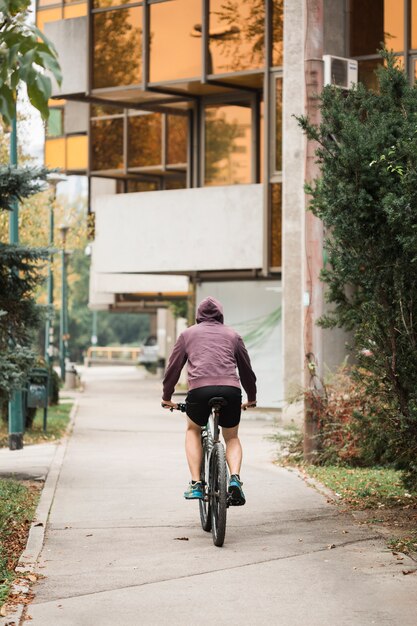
(58, 418)
(363, 487)
(17, 507)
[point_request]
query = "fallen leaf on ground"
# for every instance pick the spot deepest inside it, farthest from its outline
(38, 524)
(409, 571)
(331, 546)
(181, 539)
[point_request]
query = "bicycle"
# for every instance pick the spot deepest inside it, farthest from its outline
(213, 474)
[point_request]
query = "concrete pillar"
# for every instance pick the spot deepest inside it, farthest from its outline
(293, 202)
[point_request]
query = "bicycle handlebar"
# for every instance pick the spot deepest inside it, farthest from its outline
(181, 406)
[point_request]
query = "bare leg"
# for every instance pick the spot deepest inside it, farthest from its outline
(233, 449)
(193, 448)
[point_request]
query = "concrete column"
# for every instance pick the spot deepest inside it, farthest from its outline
(293, 202)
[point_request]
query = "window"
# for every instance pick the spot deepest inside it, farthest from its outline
(55, 123)
(144, 140)
(277, 32)
(376, 21)
(236, 36)
(278, 125)
(414, 24)
(107, 144)
(228, 137)
(177, 130)
(175, 49)
(117, 48)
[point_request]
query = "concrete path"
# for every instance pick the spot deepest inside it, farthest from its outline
(115, 551)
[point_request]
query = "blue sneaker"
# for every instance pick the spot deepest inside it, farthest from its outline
(195, 491)
(235, 491)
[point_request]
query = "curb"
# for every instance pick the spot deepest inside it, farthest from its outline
(28, 559)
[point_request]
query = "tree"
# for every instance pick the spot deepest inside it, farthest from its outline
(26, 56)
(19, 276)
(367, 199)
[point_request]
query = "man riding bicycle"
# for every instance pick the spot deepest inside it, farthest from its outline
(212, 352)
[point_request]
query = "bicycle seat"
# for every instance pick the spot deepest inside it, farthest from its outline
(217, 402)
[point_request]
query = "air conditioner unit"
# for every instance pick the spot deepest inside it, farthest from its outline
(340, 72)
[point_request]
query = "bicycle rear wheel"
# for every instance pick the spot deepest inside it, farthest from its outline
(218, 494)
(205, 512)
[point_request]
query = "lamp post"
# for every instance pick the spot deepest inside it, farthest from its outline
(53, 179)
(63, 331)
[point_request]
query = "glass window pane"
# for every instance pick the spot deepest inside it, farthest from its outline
(276, 219)
(75, 10)
(175, 47)
(177, 139)
(99, 110)
(236, 35)
(374, 21)
(141, 185)
(50, 15)
(277, 32)
(278, 125)
(145, 140)
(77, 152)
(55, 153)
(45, 3)
(107, 144)
(117, 48)
(55, 123)
(97, 4)
(175, 183)
(227, 145)
(367, 75)
(414, 24)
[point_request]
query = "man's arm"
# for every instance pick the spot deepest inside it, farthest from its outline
(176, 362)
(246, 373)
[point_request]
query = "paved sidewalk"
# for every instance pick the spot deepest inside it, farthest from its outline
(115, 551)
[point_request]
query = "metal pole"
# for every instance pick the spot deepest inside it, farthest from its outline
(62, 330)
(49, 329)
(16, 421)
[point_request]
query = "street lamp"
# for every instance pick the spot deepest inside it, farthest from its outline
(53, 179)
(63, 330)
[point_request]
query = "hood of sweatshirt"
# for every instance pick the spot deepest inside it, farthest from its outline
(210, 310)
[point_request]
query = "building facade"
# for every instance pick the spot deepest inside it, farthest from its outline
(182, 115)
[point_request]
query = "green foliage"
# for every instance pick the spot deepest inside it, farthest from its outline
(366, 197)
(19, 276)
(27, 56)
(16, 184)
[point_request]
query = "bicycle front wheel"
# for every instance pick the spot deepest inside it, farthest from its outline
(218, 494)
(205, 513)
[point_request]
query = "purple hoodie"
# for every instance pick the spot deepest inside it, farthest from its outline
(212, 352)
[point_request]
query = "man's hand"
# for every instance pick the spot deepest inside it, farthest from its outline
(248, 405)
(167, 404)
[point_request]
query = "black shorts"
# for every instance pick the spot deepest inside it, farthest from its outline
(198, 409)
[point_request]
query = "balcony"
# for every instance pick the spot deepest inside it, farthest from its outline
(184, 231)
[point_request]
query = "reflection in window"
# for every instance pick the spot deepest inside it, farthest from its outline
(103, 4)
(133, 186)
(236, 35)
(175, 183)
(227, 145)
(177, 126)
(278, 124)
(414, 24)
(175, 48)
(373, 22)
(55, 123)
(99, 110)
(144, 136)
(367, 73)
(107, 144)
(117, 48)
(277, 32)
(276, 219)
